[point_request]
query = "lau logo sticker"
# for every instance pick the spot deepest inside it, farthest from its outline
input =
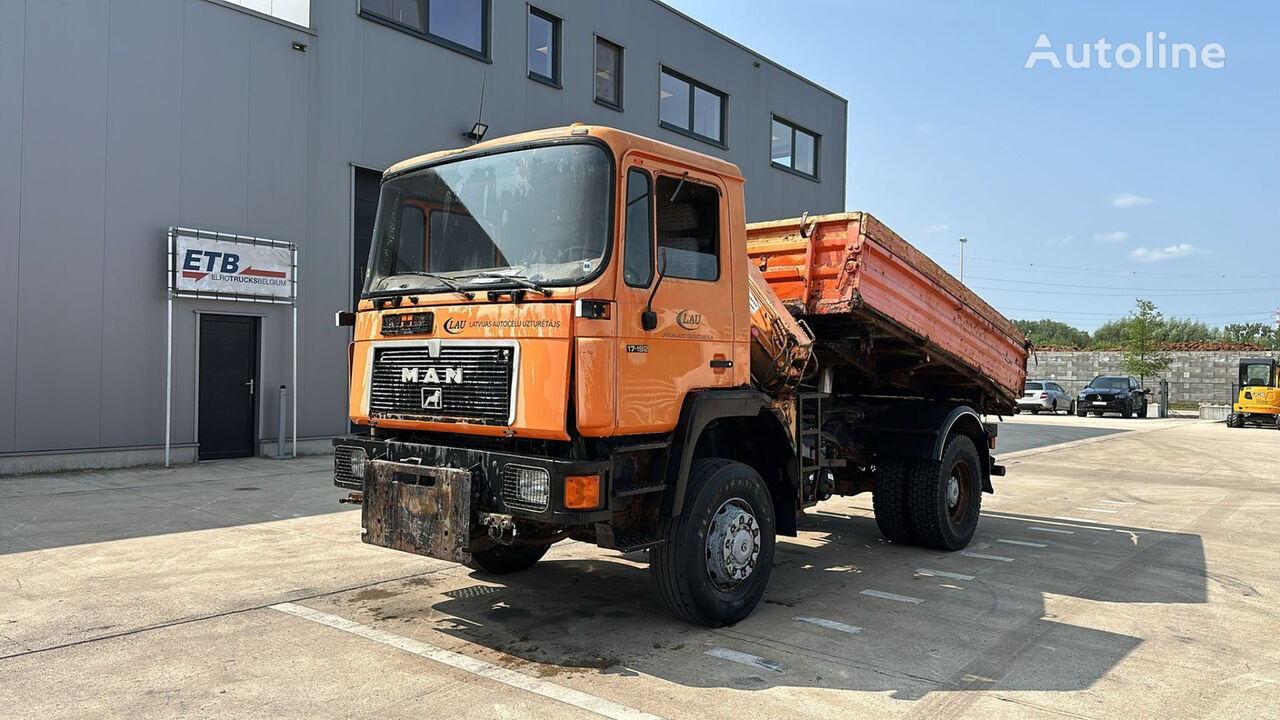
(688, 320)
(453, 326)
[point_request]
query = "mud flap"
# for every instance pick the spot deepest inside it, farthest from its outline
(417, 509)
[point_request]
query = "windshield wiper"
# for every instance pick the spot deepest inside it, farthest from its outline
(443, 281)
(520, 280)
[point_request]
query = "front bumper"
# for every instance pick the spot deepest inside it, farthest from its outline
(485, 470)
(1107, 403)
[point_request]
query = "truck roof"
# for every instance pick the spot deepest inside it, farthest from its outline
(620, 140)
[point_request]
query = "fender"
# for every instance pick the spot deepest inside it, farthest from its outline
(920, 429)
(700, 408)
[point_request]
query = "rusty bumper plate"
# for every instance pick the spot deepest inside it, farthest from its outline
(423, 510)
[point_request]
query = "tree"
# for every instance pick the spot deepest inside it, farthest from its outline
(1052, 332)
(1256, 333)
(1112, 333)
(1141, 352)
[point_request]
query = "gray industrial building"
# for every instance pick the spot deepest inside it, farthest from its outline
(273, 119)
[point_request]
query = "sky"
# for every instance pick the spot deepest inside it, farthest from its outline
(1078, 189)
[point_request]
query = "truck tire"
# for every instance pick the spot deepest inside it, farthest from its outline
(944, 498)
(715, 559)
(889, 501)
(503, 559)
(1235, 421)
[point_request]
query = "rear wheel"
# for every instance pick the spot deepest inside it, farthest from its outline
(1235, 420)
(503, 559)
(944, 498)
(1071, 410)
(889, 500)
(1035, 411)
(715, 559)
(1143, 412)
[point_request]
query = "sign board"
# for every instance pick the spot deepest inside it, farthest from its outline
(205, 264)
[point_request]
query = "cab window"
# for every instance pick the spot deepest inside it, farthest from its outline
(688, 224)
(637, 263)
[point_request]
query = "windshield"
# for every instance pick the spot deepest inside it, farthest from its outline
(1255, 374)
(541, 213)
(1109, 383)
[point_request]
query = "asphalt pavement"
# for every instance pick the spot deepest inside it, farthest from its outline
(1128, 574)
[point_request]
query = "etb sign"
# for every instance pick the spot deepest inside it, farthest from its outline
(216, 265)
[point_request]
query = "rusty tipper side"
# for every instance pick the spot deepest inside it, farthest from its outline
(564, 335)
(877, 301)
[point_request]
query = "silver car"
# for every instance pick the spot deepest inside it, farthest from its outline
(1047, 396)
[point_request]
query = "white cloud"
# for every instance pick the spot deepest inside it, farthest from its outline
(1168, 253)
(1128, 200)
(1060, 241)
(925, 129)
(942, 227)
(1111, 237)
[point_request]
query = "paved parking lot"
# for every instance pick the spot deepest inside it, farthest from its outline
(1130, 574)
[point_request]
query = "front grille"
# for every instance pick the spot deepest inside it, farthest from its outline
(461, 382)
(342, 476)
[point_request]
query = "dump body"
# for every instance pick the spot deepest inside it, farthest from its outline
(885, 313)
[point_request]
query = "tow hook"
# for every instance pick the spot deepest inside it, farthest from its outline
(354, 498)
(499, 527)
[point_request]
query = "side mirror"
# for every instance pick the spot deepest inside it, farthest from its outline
(649, 318)
(344, 319)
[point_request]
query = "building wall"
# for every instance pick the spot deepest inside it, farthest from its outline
(124, 117)
(1199, 377)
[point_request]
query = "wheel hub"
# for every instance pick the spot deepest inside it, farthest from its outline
(953, 491)
(733, 543)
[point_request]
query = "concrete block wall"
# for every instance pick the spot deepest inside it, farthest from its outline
(1199, 377)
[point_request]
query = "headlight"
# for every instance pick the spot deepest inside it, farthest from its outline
(357, 462)
(526, 487)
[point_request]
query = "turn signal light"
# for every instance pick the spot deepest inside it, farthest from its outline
(582, 492)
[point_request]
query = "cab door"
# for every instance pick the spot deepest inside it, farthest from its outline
(676, 260)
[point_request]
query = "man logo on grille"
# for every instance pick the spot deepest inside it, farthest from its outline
(432, 398)
(447, 376)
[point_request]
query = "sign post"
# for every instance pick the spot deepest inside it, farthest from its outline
(219, 266)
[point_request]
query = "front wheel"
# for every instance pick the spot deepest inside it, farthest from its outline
(1235, 421)
(945, 498)
(714, 562)
(1143, 412)
(1080, 412)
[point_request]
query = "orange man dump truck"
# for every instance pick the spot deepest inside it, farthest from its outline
(574, 334)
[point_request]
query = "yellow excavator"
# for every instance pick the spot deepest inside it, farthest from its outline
(1259, 399)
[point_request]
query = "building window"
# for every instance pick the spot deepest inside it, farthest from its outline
(793, 148)
(544, 47)
(608, 74)
(688, 222)
(692, 108)
(297, 12)
(461, 25)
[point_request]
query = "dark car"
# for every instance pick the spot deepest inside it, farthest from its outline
(1113, 393)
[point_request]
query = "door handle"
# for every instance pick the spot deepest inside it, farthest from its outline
(250, 385)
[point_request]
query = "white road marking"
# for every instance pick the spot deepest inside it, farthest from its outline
(942, 573)
(1059, 531)
(829, 624)
(745, 659)
(980, 556)
(1023, 543)
(1098, 510)
(891, 596)
(1079, 520)
(475, 666)
(1117, 502)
